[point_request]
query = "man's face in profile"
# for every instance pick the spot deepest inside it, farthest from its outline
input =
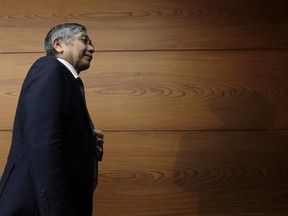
(79, 52)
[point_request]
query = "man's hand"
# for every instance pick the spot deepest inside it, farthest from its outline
(99, 137)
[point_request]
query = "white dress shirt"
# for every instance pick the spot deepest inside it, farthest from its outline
(69, 66)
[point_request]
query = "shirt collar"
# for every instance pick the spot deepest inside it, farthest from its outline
(69, 66)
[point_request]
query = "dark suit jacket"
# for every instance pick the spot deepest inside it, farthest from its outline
(52, 164)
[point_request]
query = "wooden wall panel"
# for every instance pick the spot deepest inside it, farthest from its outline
(191, 95)
(5, 141)
(192, 90)
(149, 24)
(199, 173)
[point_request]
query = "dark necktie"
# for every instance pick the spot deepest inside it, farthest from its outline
(81, 86)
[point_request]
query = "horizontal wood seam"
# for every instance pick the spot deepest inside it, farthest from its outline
(200, 130)
(161, 50)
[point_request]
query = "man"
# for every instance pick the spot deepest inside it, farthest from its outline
(52, 164)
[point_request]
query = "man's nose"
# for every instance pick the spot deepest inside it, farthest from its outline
(91, 48)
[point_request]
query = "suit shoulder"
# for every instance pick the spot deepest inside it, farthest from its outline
(47, 65)
(50, 61)
(45, 70)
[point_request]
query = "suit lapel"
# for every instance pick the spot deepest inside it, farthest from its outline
(77, 92)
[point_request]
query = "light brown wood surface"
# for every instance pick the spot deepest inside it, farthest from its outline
(191, 173)
(191, 95)
(189, 90)
(149, 24)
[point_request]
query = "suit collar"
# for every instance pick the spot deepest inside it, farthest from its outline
(70, 67)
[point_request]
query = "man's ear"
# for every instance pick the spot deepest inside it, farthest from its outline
(58, 45)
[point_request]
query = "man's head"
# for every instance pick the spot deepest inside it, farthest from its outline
(70, 42)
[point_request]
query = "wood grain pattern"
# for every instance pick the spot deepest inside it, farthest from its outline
(200, 173)
(172, 90)
(5, 141)
(150, 24)
(191, 95)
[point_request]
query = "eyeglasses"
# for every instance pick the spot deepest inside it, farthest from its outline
(85, 40)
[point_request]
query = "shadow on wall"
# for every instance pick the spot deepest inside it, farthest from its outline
(237, 169)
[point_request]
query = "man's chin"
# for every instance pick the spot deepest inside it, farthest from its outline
(84, 67)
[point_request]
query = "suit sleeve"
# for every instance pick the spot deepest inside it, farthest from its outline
(43, 127)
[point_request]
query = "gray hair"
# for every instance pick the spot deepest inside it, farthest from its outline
(64, 32)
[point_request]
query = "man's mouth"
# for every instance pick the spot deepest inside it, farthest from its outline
(89, 56)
